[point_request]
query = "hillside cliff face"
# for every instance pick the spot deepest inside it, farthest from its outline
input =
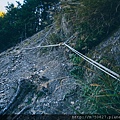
(108, 53)
(38, 80)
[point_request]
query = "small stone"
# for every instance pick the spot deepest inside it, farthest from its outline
(41, 71)
(42, 100)
(33, 111)
(26, 100)
(72, 102)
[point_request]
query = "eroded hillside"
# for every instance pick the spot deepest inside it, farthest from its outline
(38, 80)
(54, 80)
(45, 69)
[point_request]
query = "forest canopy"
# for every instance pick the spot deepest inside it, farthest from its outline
(24, 20)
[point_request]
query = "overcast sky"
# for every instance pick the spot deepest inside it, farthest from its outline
(3, 3)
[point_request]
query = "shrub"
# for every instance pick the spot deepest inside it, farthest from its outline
(92, 19)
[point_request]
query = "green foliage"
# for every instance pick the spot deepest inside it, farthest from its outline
(78, 69)
(23, 21)
(100, 95)
(54, 38)
(92, 19)
(77, 72)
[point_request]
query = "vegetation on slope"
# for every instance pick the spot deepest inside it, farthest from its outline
(93, 20)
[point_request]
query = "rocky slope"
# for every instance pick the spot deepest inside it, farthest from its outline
(108, 53)
(38, 80)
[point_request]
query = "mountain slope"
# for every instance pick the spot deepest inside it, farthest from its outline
(45, 69)
(38, 80)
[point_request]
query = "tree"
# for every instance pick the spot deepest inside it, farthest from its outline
(23, 21)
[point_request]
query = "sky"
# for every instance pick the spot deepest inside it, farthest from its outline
(3, 3)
